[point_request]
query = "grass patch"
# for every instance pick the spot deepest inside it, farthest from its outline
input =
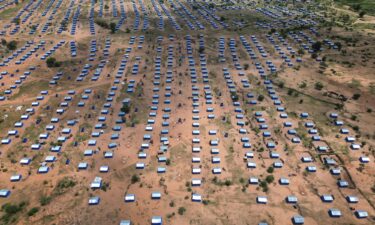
(31, 89)
(367, 6)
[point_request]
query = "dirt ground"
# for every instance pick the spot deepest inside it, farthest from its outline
(346, 87)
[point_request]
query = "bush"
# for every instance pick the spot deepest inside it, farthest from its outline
(356, 96)
(10, 210)
(113, 27)
(228, 183)
(52, 62)
(45, 200)
(64, 184)
(260, 98)
(316, 46)
(12, 45)
(270, 169)
(246, 66)
(181, 210)
(201, 49)
(319, 86)
(264, 186)
(270, 179)
(125, 108)
(135, 179)
(33, 211)
(235, 97)
(102, 23)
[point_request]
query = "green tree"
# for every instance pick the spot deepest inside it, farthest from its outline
(356, 96)
(316, 46)
(318, 86)
(112, 27)
(33, 211)
(181, 210)
(52, 62)
(12, 45)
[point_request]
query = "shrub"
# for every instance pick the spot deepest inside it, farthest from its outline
(318, 86)
(246, 66)
(205, 202)
(181, 210)
(33, 211)
(135, 179)
(270, 169)
(264, 186)
(356, 96)
(45, 200)
(113, 27)
(228, 183)
(10, 210)
(125, 108)
(52, 62)
(201, 49)
(102, 23)
(316, 46)
(270, 179)
(12, 45)
(64, 184)
(260, 98)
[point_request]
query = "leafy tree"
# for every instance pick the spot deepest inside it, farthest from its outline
(246, 66)
(270, 179)
(201, 49)
(125, 108)
(181, 210)
(316, 46)
(112, 27)
(12, 45)
(356, 96)
(52, 62)
(135, 179)
(318, 86)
